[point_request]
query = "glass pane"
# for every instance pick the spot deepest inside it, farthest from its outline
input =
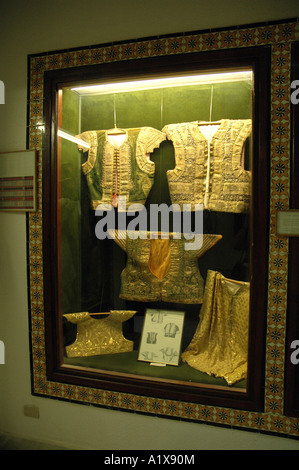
(141, 167)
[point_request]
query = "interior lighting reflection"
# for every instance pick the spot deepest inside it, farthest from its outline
(67, 136)
(187, 80)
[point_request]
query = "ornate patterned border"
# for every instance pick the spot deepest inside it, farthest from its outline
(279, 36)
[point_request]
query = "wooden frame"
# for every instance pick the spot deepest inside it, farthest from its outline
(261, 407)
(258, 60)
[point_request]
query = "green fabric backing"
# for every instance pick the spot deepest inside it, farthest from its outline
(90, 267)
(128, 363)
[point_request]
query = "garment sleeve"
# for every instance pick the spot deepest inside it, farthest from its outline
(152, 138)
(177, 134)
(90, 137)
(85, 137)
(77, 317)
(245, 126)
(170, 131)
(199, 246)
(148, 140)
(121, 315)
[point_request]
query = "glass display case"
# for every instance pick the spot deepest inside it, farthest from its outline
(148, 151)
(152, 183)
(154, 261)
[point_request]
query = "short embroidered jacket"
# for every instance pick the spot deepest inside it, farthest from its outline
(210, 171)
(123, 170)
(162, 269)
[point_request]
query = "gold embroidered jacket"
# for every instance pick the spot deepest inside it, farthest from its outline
(120, 170)
(162, 269)
(209, 171)
(101, 336)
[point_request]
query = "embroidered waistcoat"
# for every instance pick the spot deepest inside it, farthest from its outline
(120, 170)
(162, 269)
(210, 171)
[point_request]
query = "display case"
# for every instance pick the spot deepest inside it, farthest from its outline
(154, 192)
(155, 218)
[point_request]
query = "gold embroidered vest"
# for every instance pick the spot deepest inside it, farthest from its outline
(209, 169)
(120, 168)
(220, 342)
(162, 269)
(101, 336)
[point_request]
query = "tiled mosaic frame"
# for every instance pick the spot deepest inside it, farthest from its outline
(279, 36)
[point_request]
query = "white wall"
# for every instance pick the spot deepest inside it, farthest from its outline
(34, 26)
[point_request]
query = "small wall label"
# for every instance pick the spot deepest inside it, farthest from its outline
(2, 92)
(2, 352)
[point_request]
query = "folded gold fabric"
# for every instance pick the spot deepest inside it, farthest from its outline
(220, 342)
(99, 336)
(162, 269)
(159, 258)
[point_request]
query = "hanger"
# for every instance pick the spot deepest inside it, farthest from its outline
(115, 130)
(210, 122)
(98, 313)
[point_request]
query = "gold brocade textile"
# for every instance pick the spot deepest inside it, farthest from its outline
(210, 170)
(101, 336)
(220, 342)
(162, 269)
